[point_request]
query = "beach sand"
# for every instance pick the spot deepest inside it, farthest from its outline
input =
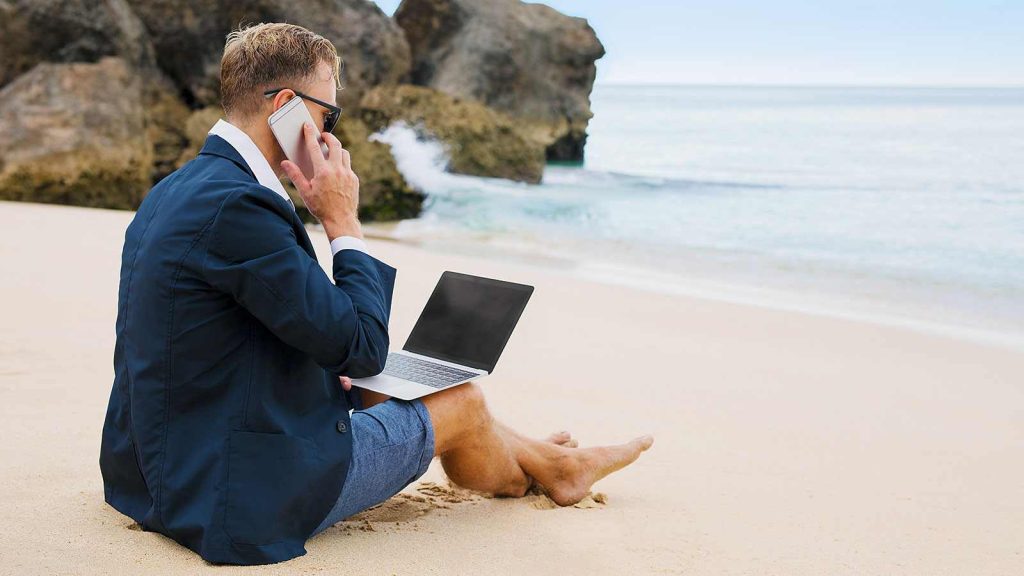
(785, 443)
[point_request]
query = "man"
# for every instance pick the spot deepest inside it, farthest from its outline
(228, 427)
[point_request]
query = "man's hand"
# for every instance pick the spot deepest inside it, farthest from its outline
(346, 383)
(332, 195)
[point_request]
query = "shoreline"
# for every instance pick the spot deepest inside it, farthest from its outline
(731, 291)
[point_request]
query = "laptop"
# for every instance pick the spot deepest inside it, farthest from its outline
(458, 337)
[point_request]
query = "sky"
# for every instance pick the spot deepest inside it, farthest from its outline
(804, 42)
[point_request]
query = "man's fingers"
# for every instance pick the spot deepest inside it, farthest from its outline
(346, 383)
(334, 149)
(291, 169)
(313, 147)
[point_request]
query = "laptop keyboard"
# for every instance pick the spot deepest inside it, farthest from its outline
(423, 371)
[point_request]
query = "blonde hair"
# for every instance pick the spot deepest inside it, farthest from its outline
(266, 56)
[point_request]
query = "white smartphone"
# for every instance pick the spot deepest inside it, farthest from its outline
(286, 124)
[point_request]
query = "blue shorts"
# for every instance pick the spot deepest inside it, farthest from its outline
(392, 446)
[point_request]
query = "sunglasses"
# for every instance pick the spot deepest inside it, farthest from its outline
(333, 112)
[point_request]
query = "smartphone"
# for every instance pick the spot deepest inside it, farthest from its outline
(286, 124)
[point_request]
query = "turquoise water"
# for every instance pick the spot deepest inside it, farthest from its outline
(906, 203)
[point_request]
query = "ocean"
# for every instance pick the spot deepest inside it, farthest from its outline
(905, 205)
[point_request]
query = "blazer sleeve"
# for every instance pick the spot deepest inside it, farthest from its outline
(254, 255)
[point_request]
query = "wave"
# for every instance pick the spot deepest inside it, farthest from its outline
(423, 163)
(587, 176)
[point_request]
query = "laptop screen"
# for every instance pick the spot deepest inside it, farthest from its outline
(468, 320)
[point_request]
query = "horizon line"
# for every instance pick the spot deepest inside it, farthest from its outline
(804, 85)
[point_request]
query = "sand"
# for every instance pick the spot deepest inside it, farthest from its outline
(786, 443)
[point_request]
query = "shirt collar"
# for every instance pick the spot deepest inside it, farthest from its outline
(244, 145)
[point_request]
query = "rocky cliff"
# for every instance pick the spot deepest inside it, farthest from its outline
(100, 99)
(526, 60)
(67, 138)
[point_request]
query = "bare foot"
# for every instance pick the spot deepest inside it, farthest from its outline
(562, 438)
(573, 472)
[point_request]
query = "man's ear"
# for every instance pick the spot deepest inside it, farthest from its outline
(282, 97)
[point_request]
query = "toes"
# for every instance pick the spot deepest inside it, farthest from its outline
(559, 437)
(645, 442)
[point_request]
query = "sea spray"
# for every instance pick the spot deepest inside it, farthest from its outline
(421, 161)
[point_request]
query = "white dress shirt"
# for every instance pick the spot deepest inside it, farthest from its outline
(244, 145)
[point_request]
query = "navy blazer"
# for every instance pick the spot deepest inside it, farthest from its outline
(227, 428)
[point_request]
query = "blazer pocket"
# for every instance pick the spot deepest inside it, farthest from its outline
(268, 486)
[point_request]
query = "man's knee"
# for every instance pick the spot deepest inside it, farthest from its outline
(472, 404)
(462, 408)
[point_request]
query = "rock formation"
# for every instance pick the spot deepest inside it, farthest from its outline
(100, 99)
(189, 38)
(67, 137)
(34, 31)
(527, 60)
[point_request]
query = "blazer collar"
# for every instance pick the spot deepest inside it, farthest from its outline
(217, 146)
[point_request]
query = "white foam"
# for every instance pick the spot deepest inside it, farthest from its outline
(421, 161)
(424, 161)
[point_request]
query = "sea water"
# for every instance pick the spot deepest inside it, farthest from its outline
(905, 204)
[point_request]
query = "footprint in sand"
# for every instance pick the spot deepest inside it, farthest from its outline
(406, 507)
(448, 493)
(400, 508)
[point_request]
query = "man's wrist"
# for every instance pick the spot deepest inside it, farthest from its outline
(346, 226)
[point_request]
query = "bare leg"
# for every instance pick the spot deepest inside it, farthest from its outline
(479, 453)
(371, 398)
(473, 451)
